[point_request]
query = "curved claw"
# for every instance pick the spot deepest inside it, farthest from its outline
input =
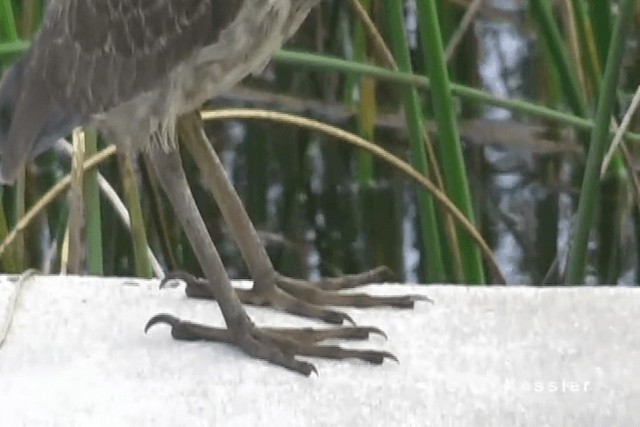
(169, 319)
(374, 330)
(386, 354)
(348, 318)
(313, 371)
(408, 301)
(374, 357)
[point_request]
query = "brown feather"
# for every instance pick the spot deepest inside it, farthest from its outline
(97, 54)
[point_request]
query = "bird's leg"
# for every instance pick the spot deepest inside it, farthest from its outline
(271, 288)
(278, 346)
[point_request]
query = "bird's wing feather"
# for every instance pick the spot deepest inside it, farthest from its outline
(96, 54)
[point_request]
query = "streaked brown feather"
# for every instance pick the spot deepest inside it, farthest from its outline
(97, 54)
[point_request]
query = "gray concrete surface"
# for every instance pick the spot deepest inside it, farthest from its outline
(75, 354)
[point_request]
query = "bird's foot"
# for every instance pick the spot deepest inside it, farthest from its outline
(308, 299)
(280, 346)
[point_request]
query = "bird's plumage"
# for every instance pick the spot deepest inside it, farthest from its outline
(132, 66)
(97, 54)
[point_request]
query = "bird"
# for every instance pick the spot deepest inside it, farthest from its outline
(139, 70)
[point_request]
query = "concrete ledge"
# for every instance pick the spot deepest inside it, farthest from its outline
(76, 355)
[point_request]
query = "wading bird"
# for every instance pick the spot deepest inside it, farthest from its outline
(138, 70)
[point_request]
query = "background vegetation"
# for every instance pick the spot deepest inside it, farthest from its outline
(507, 107)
